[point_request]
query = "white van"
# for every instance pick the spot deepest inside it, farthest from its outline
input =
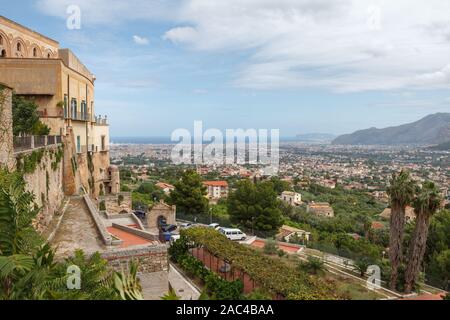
(233, 234)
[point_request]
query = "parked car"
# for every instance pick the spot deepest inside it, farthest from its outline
(233, 234)
(174, 238)
(140, 214)
(214, 226)
(186, 225)
(169, 228)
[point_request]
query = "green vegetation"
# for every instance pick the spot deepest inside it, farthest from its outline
(189, 194)
(59, 154)
(28, 163)
(313, 265)
(28, 270)
(26, 118)
(272, 274)
(255, 206)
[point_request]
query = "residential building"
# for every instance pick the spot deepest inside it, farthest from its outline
(409, 214)
(167, 188)
(287, 232)
(292, 198)
(323, 209)
(216, 189)
(57, 81)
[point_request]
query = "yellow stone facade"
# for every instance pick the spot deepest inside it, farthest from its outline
(64, 89)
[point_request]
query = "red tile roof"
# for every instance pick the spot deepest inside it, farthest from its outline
(216, 183)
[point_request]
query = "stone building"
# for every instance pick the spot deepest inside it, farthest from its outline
(64, 89)
(322, 209)
(6, 134)
(292, 198)
(161, 212)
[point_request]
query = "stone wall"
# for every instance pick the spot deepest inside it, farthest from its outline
(46, 183)
(6, 134)
(151, 259)
(161, 210)
(112, 203)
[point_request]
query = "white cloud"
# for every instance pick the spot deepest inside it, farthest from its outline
(331, 44)
(181, 35)
(341, 45)
(140, 40)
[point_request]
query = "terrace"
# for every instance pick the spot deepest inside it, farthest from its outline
(29, 143)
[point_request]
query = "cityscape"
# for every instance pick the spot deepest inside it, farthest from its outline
(104, 195)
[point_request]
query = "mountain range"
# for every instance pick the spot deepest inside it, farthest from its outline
(432, 130)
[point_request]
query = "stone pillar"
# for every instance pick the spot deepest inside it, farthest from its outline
(115, 179)
(6, 132)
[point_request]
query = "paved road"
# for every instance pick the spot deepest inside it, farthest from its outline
(183, 288)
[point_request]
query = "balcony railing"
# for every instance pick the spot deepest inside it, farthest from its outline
(101, 121)
(79, 116)
(22, 144)
(54, 114)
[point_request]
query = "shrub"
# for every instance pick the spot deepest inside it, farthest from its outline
(271, 247)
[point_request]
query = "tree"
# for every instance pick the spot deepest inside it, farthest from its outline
(189, 194)
(401, 192)
(313, 265)
(28, 270)
(255, 206)
(26, 118)
(270, 247)
(426, 204)
(361, 266)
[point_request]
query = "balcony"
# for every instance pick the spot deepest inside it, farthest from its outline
(54, 114)
(79, 116)
(29, 143)
(101, 121)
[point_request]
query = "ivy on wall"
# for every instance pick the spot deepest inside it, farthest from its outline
(59, 154)
(27, 164)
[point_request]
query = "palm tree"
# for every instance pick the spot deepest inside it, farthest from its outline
(313, 265)
(426, 204)
(401, 192)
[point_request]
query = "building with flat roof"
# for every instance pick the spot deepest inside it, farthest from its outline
(64, 89)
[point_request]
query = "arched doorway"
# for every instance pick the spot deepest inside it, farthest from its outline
(160, 213)
(3, 54)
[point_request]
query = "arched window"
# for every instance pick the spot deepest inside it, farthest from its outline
(19, 46)
(48, 56)
(34, 52)
(3, 54)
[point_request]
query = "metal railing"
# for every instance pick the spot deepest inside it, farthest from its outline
(54, 114)
(27, 143)
(79, 116)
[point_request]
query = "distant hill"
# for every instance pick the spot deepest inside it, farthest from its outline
(315, 137)
(433, 129)
(442, 147)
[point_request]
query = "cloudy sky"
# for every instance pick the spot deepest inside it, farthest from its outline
(302, 66)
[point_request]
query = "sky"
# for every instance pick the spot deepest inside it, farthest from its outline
(301, 66)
